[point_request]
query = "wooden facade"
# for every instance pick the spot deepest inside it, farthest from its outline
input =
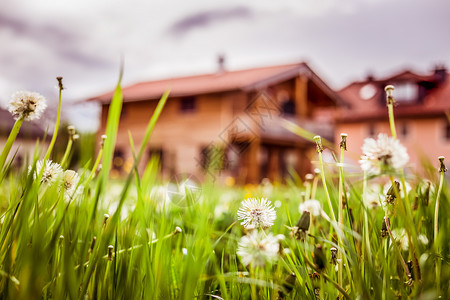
(227, 124)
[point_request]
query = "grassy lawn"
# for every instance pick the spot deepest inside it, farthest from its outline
(81, 235)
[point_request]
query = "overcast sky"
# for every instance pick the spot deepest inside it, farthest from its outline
(83, 41)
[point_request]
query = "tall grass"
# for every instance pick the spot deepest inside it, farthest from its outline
(126, 239)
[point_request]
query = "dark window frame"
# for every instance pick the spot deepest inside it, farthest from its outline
(188, 104)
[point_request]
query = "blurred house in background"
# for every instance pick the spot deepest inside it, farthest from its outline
(421, 113)
(25, 143)
(227, 123)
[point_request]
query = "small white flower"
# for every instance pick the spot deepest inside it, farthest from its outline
(27, 105)
(312, 206)
(401, 237)
(71, 188)
(256, 213)
(383, 154)
(423, 239)
(373, 197)
(51, 173)
(159, 195)
(258, 248)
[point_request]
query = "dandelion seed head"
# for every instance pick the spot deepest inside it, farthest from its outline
(312, 206)
(52, 171)
(401, 237)
(385, 154)
(256, 213)
(71, 180)
(257, 248)
(27, 105)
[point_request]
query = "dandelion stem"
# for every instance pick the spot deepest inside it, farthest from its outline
(442, 170)
(11, 138)
(388, 226)
(336, 285)
(58, 118)
(66, 153)
(95, 167)
(322, 173)
(390, 104)
(366, 244)
(343, 146)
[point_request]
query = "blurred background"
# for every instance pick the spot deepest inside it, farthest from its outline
(83, 41)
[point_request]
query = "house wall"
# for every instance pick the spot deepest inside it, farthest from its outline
(424, 139)
(181, 135)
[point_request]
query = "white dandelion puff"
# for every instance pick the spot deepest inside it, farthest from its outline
(71, 184)
(385, 154)
(401, 237)
(256, 213)
(51, 172)
(257, 248)
(312, 206)
(27, 105)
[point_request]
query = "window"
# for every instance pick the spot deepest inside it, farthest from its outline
(158, 155)
(118, 160)
(371, 130)
(406, 92)
(447, 131)
(288, 107)
(404, 130)
(188, 104)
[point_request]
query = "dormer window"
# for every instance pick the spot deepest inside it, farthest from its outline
(407, 92)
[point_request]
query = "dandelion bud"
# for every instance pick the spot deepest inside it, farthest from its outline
(299, 231)
(384, 230)
(391, 194)
(318, 141)
(304, 221)
(333, 259)
(178, 229)
(110, 252)
(71, 130)
(442, 168)
(288, 285)
(102, 143)
(60, 84)
(389, 89)
(106, 217)
(309, 176)
(61, 239)
(319, 257)
(412, 269)
(94, 239)
(75, 137)
(343, 143)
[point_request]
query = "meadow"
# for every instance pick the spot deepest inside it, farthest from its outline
(78, 234)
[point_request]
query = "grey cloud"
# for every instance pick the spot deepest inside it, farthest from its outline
(206, 18)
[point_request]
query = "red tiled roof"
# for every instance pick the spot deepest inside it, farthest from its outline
(249, 79)
(436, 102)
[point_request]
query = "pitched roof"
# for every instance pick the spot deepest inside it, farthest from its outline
(367, 98)
(246, 80)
